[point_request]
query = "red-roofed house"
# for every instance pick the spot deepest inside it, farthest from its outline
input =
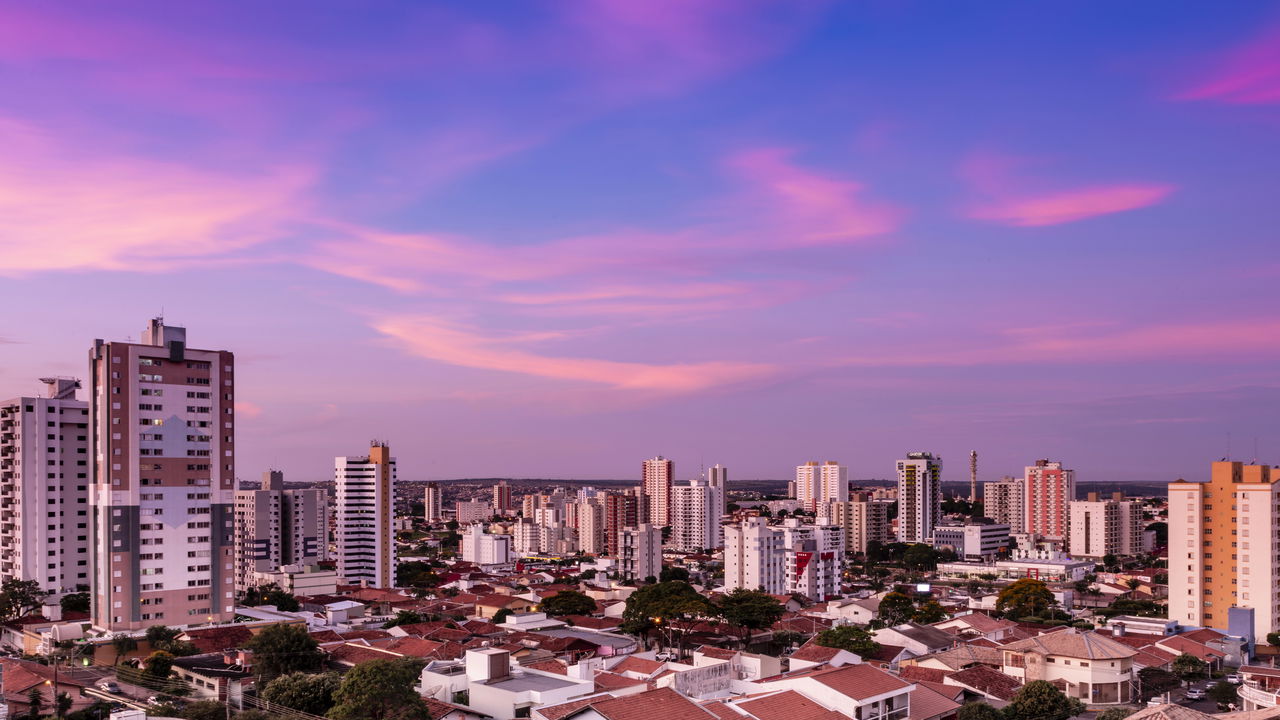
(858, 691)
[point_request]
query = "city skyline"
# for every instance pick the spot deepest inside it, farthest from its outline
(554, 241)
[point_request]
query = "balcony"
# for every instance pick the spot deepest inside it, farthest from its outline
(1256, 698)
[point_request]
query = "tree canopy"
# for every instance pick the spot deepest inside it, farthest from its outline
(673, 573)
(1115, 713)
(750, 610)
(978, 710)
(271, 594)
(672, 606)
(380, 690)
(282, 649)
(404, 617)
(920, 557)
(568, 602)
(19, 598)
(1040, 700)
(306, 692)
(1155, 681)
(75, 602)
(1187, 666)
(895, 608)
(1024, 598)
(848, 637)
(163, 637)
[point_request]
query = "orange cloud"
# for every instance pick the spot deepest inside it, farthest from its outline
(431, 338)
(246, 409)
(67, 210)
(1071, 205)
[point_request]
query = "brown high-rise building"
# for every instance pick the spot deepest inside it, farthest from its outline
(163, 466)
(620, 511)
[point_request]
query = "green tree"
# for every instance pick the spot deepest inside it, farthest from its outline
(252, 715)
(1161, 530)
(1109, 561)
(19, 598)
(1224, 693)
(1115, 713)
(750, 610)
(501, 616)
(61, 704)
(404, 617)
(123, 644)
(282, 649)
(978, 711)
(304, 692)
(671, 607)
(673, 573)
(787, 638)
(35, 700)
(204, 710)
(163, 637)
(1273, 638)
(75, 603)
(895, 608)
(1155, 681)
(1040, 700)
(568, 602)
(848, 637)
(1187, 666)
(416, 573)
(159, 664)
(1024, 598)
(930, 611)
(380, 690)
(920, 557)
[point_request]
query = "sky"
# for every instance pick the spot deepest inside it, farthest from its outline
(553, 239)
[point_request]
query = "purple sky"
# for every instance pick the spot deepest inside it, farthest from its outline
(553, 239)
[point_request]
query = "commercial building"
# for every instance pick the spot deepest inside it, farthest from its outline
(1222, 553)
(1050, 488)
(1101, 527)
(864, 520)
(1047, 569)
(919, 496)
(277, 527)
(433, 505)
(485, 548)
(44, 488)
(162, 421)
(820, 483)
(695, 519)
(1005, 502)
(366, 514)
(657, 475)
(974, 542)
(640, 552)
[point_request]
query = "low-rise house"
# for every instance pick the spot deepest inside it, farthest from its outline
(993, 685)
(1261, 687)
(1089, 666)
(916, 638)
(856, 691)
(813, 655)
(216, 676)
(493, 687)
(662, 703)
(488, 606)
(975, 625)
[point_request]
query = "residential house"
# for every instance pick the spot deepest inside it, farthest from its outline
(1089, 666)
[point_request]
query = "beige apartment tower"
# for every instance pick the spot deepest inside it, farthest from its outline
(366, 490)
(864, 521)
(657, 477)
(163, 466)
(1222, 539)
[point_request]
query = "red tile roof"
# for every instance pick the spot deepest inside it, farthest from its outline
(638, 665)
(612, 681)
(987, 681)
(217, 639)
(915, 673)
(860, 681)
(927, 703)
(813, 652)
(662, 703)
(788, 705)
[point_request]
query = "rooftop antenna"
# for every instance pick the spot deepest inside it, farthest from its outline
(973, 476)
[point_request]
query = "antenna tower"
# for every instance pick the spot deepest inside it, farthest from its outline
(973, 476)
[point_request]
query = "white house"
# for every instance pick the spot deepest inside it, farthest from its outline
(497, 689)
(1095, 668)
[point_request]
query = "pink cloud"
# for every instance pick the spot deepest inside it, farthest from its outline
(64, 208)
(1071, 205)
(433, 339)
(246, 409)
(808, 207)
(1011, 195)
(1091, 342)
(1246, 75)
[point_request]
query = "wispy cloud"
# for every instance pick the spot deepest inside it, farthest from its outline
(434, 339)
(1009, 195)
(1245, 75)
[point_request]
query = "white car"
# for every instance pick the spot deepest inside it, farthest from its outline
(1195, 693)
(1234, 679)
(108, 686)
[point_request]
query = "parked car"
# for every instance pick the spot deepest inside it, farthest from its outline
(1156, 701)
(1195, 693)
(108, 686)
(1234, 679)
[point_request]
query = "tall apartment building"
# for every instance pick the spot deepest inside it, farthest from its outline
(864, 520)
(590, 520)
(1222, 539)
(526, 537)
(1105, 526)
(162, 420)
(818, 483)
(469, 511)
(1005, 502)
(366, 491)
(754, 557)
(718, 477)
(695, 519)
(485, 548)
(44, 488)
(640, 552)
(621, 510)
(277, 527)
(1050, 488)
(657, 476)
(433, 503)
(501, 498)
(813, 559)
(919, 496)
